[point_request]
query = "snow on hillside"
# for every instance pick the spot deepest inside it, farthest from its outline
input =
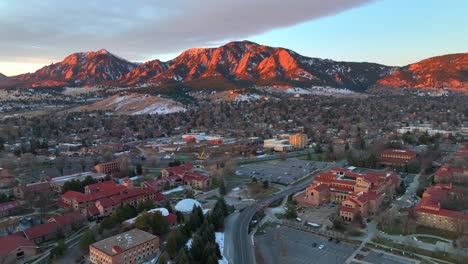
(135, 104)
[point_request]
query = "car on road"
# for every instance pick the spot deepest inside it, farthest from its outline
(321, 247)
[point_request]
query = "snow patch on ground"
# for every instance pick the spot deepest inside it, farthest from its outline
(247, 97)
(220, 241)
(136, 104)
(178, 189)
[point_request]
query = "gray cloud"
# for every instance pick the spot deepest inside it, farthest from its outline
(139, 29)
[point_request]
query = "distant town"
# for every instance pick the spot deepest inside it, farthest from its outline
(281, 182)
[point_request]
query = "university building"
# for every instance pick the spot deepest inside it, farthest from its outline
(396, 157)
(184, 174)
(431, 212)
(134, 246)
(356, 193)
(298, 140)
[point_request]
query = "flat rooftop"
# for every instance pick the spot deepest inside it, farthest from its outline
(124, 240)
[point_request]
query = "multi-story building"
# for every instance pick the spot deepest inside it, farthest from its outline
(279, 145)
(186, 176)
(452, 173)
(108, 167)
(431, 212)
(134, 246)
(104, 197)
(16, 249)
(57, 183)
(298, 140)
(396, 157)
(31, 190)
(363, 193)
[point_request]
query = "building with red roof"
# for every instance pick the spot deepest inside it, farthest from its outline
(452, 173)
(430, 210)
(396, 157)
(163, 183)
(363, 193)
(106, 197)
(68, 221)
(16, 249)
(9, 208)
(42, 232)
(100, 187)
(187, 176)
(40, 188)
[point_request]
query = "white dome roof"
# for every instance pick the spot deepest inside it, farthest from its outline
(186, 205)
(163, 211)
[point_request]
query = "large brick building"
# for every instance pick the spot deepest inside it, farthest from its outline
(453, 173)
(16, 249)
(363, 193)
(102, 198)
(31, 190)
(134, 246)
(396, 157)
(108, 167)
(186, 176)
(298, 140)
(431, 212)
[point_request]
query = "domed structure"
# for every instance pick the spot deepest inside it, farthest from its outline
(186, 205)
(162, 210)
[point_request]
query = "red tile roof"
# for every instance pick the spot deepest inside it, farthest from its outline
(102, 186)
(191, 176)
(35, 187)
(67, 219)
(348, 209)
(408, 153)
(93, 211)
(71, 195)
(106, 202)
(321, 188)
(171, 219)
(40, 230)
(432, 197)
(10, 243)
(9, 205)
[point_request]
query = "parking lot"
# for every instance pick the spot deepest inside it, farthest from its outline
(318, 215)
(284, 172)
(292, 246)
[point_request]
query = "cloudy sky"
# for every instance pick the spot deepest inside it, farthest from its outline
(394, 32)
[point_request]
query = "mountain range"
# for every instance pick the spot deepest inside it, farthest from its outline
(2, 77)
(245, 64)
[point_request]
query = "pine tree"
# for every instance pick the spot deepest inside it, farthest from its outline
(159, 224)
(87, 239)
(222, 187)
(143, 222)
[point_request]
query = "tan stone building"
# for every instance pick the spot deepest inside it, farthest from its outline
(431, 212)
(363, 193)
(298, 140)
(134, 246)
(108, 167)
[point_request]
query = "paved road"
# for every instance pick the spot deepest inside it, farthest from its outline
(242, 241)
